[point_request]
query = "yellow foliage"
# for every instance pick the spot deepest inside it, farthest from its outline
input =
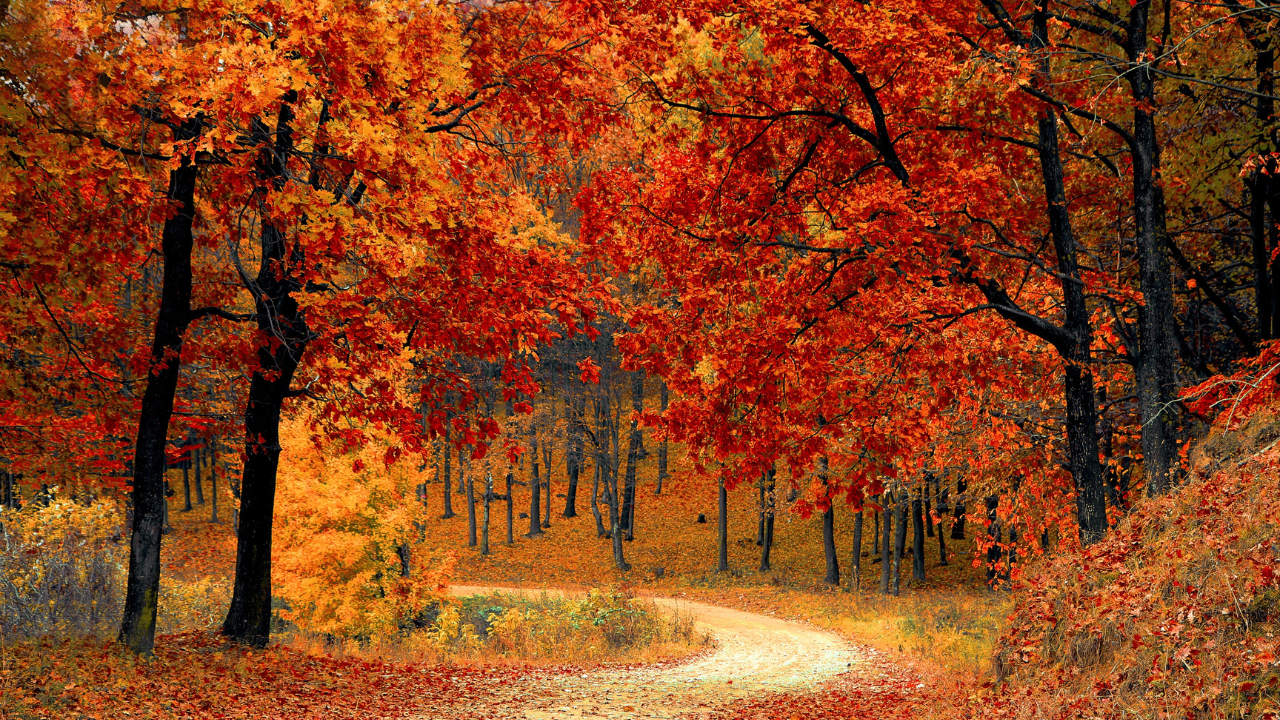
(342, 519)
(61, 568)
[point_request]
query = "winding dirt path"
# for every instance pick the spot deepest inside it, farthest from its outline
(754, 654)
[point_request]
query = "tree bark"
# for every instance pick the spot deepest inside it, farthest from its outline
(484, 529)
(1157, 366)
(138, 624)
(535, 490)
(196, 457)
(886, 544)
(855, 562)
(722, 527)
(573, 455)
(471, 505)
(281, 319)
(899, 541)
(766, 546)
(917, 544)
(634, 441)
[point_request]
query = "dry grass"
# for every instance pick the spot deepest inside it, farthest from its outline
(600, 627)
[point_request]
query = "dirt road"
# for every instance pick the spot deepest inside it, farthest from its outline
(754, 654)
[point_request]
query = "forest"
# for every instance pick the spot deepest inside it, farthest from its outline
(501, 358)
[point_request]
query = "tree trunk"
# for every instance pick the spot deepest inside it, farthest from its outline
(186, 486)
(770, 504)
(634, 441)
(535, 490)
(886, 544)
(281, 319)
(546, 484)
(899, 542)
(917, 544)
(573, 455)
(138, 624)
(1157, 367)
(994, 535)
(760, 508)
(511, 538)
(196, 457)
(722, 527)
(488, 497)
(662, 446)
(957, 525)
(471, 506)
(595, 501)
(855, 562)
(829, 546)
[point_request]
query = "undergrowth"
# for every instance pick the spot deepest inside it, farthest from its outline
(545, 629)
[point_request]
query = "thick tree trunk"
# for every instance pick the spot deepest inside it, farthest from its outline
(138, 625)
(855, 562)
(722, 527)
(917, 540)
(1157, 367)
(281, 319)
(829, 546)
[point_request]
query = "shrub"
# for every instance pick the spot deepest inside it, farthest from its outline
(61, 570)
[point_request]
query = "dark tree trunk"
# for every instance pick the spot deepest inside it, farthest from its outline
(760, 507)
(471, 505)
(546, 484)
(855, 562)
(572, 456)
(662, 446)
(899, 541)
(601, 531)
(829, 546)
(875, 542)
(484, 529)
(186, 487)
(766, 546)
(281, 319)
(917, 540)
(196, 457)
(510, 498)
(957, 526)
(1157, 367)
(886, 545)
(535, 490)
(994, 552)
(722, 527)
(634, 441)
(138, 625)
